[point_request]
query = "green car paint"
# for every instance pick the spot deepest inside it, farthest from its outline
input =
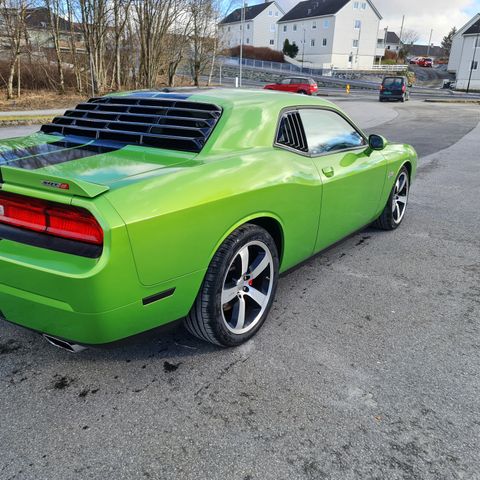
(165, 213)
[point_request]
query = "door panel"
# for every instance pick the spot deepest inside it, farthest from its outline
(352, 186)
(352, 174)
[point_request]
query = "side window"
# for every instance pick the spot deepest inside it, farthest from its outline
(327, 131)
(285, 81)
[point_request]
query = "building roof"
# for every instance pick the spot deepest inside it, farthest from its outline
(314, 8)
(424, 51)
(318, 8)
(393, 38)
(474, 29)
(250, 13)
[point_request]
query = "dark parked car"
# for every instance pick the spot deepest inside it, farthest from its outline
(394, 88)
(306, 86)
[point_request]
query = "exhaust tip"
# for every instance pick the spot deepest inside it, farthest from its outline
(63, 344)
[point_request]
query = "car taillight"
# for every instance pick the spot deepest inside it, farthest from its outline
(72, 223)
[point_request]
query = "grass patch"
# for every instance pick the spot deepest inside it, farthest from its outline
(15, 121)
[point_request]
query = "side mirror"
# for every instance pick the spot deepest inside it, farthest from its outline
(377, 142)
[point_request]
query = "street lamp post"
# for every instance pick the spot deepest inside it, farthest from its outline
(303, 48)
(242, 28)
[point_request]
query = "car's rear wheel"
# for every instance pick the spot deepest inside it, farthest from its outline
(238, 290)
(302, 92)
(394, 212)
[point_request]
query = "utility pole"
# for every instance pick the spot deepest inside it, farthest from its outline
(242, 28)
(358, 44)
(401, 34)
(475, 46)
(384, 42)
(303, 48)
(429, 42)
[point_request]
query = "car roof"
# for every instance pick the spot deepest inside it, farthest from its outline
(230, 97)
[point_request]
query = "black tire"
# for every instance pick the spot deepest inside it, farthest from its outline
(386, 220)
(206, 319)
(302, 92)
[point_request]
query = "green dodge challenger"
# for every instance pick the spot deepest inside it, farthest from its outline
(135, 210)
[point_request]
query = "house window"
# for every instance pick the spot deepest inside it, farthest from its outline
(356, 5)
(358, 24)
(326, 24)
(309, 11)
(355, 43)
(476, 43)
(228, 29)
(312, 42)
(324, 42)
(248, 41)
(270, 13)
(388, 47)
(294, 28)
(284, 28)
(272, 42)
(475, 65)
(272, 27)
(248, 26)
(364, 6)
(314, 25)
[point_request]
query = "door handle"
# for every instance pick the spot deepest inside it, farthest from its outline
(328, 171)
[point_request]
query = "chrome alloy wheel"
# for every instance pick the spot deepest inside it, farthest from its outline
(247, 287)
(400, 197)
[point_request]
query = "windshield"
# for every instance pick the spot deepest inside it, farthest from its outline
(393, 82)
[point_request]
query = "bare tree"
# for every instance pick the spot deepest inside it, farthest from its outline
(55, 13)
(95, 24)
(203, 37)
(154, 20)
(12, 18)
(409, 38)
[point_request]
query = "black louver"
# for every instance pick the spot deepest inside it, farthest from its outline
(291, 132)
(174, 124)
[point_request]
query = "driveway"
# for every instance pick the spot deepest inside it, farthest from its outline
(367, 367)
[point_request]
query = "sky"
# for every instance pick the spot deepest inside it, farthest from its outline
(420, 15)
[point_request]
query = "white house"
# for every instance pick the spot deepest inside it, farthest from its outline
(260, 26)
(465, 55)
(392, 42)
(342, 33)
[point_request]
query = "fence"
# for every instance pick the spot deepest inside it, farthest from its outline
(290, 68)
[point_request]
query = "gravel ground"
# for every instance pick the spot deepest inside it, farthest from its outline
(367, 367)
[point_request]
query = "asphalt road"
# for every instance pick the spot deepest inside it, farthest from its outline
(367, 368)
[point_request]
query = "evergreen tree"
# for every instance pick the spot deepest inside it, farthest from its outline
(447, 41)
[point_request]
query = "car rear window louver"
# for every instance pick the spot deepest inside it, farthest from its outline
(291, 132)
(170, 123)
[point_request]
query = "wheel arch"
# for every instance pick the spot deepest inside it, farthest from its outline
(408, 166)
(267, 220)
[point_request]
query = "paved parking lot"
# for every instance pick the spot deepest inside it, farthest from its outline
(367, 367)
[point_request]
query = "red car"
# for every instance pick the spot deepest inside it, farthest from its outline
(306, 86)
(425, 62)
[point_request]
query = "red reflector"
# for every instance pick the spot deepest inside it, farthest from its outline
(54, 219)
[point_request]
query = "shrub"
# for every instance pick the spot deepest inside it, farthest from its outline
(257, 53)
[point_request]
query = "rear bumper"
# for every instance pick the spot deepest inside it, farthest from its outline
(60, 319)
(396, 96)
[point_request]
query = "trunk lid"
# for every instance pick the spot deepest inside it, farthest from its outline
(76, 166)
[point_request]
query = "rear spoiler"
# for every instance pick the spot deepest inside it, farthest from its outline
(40, 181)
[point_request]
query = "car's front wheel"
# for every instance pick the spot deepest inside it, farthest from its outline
(394, 212)
(238, 290)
